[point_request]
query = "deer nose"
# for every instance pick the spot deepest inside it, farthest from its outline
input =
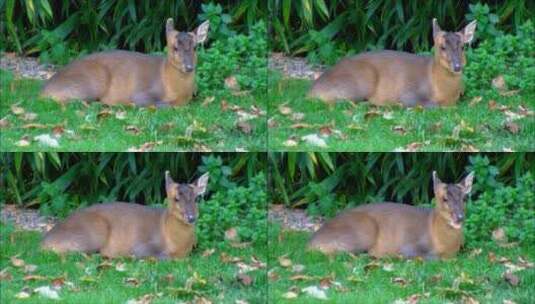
(188, 67)
(460, 217)
(457, 67)
(191, 219)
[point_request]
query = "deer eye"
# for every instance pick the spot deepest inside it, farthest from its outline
(442, 47)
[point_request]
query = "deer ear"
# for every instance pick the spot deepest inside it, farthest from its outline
(169, 27)
(201, 184)
(436, 180)
(201, 32)
(469, 31)
(467, 183)
(436, 28)
(168, 180)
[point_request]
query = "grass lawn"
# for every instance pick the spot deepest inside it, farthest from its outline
(365, 280)
(471, 125)
(92, 279)
(200, 125)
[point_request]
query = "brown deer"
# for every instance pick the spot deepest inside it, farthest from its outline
(123, 77)
(388, 77)
(392, 229)
(127, 229)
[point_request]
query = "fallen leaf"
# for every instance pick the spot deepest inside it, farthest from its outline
(475, 252)
(492, 104)
(297, 116)
(47, 140)
(132, 129)
(290, 143)
(5, 275)
(106, 112)
(499, 83)
(314, 140)
(245, 279)
(208, 252)
(245, 127)
(231, 234)
(15, 261)
(298, 268)
(145, 299)
(34, 126)
(289, 295)
(508, 302)
(207, 101)
(302, 277)
(388, 115)
(285, 110)
(475, 101)
(241, 302)
(399, 129)
(389, 267)
(272, 123)
(469, 300)
(224, 105)
(120, 267)
(4, 123)
(30, 268)
(15, 109)
(232, 83)
(371, 114)
(284, 261)
(121, 115)
(33, 277)
(315, 292)
(498, 235)
(301, 126)
(47, 292)
(22, 295)
(326, 131)
(132, 281)
(400, 281)
(511, 278)
(29, 116)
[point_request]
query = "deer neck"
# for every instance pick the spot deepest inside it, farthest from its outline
(446, 85)
(446, 240)
(177, 234)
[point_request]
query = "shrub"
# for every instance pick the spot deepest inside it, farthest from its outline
(497, 206)
(241, 56)
(239, 207)
(509, 55)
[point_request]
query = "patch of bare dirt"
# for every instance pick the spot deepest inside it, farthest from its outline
(293, 219)
(294, 67)
(26, 219)
(26, 67)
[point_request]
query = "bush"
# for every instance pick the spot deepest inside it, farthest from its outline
(512, 56)
(497, 206)
(239, 207)
(241, 56)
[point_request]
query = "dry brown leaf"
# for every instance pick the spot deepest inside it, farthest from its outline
(285, 110)
(34, 126)
(232, 83)
(475, 101)
(4, 123)
(284, 261)
(298, 268)
(301, 126)
(29, 116)
(290, 295)
(132, 129)
(208, 252)
(326, 131)
(5, 275)
(245, 127)
(499, 235)
(22, 295)
(106, 112)
(399, 129)
(297, 116)
(30, 268)
(224, 105)
(16, 262)
(231, 234)
(301, 277)
(499, 83)
(208, 100)
(132, 281)
(469, 300)
(400, 281)
(120, 115)
(245, 279)
(511, 278)
(272, 123)
(512, 127)
(34, 277)
(372, 113)
(15, 109)
(290, 143)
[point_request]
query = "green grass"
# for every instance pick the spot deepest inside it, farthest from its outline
(480, 128)
(83, 129)
(94, 284)
(375, 284)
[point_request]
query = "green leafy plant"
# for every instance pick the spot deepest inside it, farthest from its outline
(242, 56)
(498, 206)
(240, 207)
(486, 21)
(219, 21)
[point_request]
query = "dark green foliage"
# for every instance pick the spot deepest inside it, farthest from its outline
(403, 25)
(102, 24)
(241, 56)
(512, 56)
(324, 183)
(60, 182)
(511, 207)
(241, 207)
